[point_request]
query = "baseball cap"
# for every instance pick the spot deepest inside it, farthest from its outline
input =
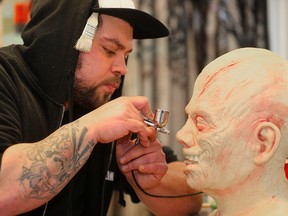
(144, 25)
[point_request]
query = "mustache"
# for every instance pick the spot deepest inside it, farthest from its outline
(113, 81)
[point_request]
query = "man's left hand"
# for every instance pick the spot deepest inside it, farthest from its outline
(147, 162)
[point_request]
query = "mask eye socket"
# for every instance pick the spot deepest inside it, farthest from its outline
(200, 123)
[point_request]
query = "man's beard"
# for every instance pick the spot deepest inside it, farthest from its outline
(89, 98)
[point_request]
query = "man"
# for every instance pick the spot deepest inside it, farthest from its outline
(235, 138)
(55, 113)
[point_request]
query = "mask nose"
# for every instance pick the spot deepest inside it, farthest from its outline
(185, 137)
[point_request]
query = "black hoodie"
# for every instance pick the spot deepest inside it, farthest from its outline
(36, 79)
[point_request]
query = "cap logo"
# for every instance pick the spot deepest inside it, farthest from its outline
(116, 4)
(84, 43)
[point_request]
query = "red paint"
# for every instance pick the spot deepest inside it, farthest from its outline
(21, 12)
(210, 79)
(286, 169)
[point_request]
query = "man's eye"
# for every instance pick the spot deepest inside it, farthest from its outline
(109, 51)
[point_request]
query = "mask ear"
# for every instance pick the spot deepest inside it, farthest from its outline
(268, 138)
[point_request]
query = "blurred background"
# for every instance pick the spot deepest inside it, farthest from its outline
(164, 70)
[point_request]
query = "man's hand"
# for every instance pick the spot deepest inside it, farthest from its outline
(118, 118)
(147, 162)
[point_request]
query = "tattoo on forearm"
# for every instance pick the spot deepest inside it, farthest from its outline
(50, 165)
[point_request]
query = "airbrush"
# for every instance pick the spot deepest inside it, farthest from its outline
(159, 122)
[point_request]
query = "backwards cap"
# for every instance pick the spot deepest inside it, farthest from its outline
(144, 25)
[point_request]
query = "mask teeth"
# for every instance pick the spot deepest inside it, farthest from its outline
(84, 43)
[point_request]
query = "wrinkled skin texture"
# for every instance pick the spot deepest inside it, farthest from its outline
(235, 137)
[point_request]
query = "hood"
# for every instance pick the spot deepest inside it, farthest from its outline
(49, 40)
(54, 28)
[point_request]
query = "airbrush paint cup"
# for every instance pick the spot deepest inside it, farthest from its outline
(161, 117)
(160, 120)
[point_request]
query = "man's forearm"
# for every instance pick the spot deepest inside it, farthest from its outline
(31, 174)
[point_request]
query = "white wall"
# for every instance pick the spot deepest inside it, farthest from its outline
(278, 26)
(1, 26)
(8, 35)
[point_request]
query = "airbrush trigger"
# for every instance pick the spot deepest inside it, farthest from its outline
(160, 120)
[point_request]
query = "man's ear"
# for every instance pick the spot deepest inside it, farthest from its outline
(267, 142)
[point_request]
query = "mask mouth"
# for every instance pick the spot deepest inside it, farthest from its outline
(191, 159)
(192, 155)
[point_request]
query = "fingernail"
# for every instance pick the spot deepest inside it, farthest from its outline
(124, 168)
(141, 168)
(122, 160)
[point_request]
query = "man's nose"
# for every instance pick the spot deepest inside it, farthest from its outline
(120, 67)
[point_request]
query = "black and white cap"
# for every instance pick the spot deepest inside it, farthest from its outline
(144, 25)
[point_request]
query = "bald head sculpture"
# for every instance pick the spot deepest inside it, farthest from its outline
(236, 135)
